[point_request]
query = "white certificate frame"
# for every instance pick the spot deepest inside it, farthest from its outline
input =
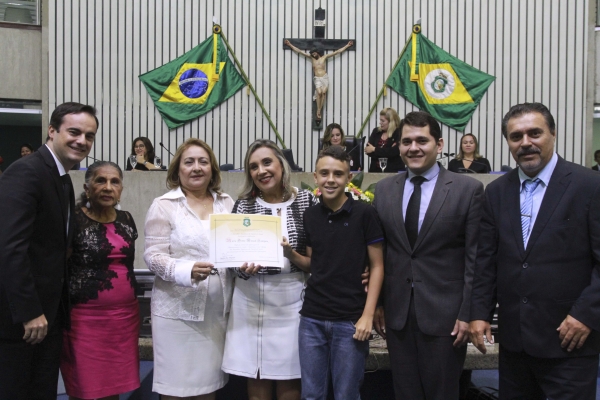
(239, 238)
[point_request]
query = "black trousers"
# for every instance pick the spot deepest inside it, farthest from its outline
(424, 366)
(30, 372)
(531, 378)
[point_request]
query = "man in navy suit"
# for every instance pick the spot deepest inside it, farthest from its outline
(538, 257)
(36, 198)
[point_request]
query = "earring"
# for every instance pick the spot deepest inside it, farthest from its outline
(118, 205)
(87, 204)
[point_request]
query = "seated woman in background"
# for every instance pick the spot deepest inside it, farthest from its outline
(100, 352)
(334, 135)
(384, 141)
(26, 149)
(468, 159)
(143, 151)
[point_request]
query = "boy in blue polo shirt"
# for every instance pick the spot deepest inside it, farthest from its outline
(342, 236)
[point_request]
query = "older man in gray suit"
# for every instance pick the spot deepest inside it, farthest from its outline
(431, 218)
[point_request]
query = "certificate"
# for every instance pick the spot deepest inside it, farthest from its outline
(239, 238)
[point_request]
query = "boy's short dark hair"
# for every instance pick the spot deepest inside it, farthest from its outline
(596, 153)
(58, 114)
(336, 152)
(422, 119)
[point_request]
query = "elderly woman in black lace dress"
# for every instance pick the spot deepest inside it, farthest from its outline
(100, 351)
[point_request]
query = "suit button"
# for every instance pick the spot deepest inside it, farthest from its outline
(525, 300)
(525, 265)
(408, 280)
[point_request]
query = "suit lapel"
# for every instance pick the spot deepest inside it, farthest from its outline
(397, 211)
(440, 191)
(58, 186)
(559, 181)
(514, 203)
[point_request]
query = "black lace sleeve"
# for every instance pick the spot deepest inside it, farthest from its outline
(88, 264)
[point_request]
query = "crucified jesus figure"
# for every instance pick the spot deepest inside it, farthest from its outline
(319, 63)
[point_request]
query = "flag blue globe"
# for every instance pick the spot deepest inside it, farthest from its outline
(193, 83)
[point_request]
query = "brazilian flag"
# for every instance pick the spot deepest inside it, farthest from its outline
(437, 82)
(194, 83)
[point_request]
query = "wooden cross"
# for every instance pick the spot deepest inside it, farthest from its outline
(323, 44)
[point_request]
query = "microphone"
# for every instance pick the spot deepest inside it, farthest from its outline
(352, 149)
(163, 146)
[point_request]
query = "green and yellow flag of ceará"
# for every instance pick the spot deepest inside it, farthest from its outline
(437, 82)
(194, 83)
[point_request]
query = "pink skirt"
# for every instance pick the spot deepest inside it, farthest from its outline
(100, 354)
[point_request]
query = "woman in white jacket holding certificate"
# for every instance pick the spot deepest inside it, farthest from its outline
(191, 299)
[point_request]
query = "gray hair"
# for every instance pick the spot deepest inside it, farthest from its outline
(91, 172)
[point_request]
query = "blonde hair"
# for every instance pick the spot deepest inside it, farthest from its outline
(394, 120)
(249, 190)
(173, 171)
(476, 154)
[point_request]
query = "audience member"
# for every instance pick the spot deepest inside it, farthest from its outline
(37, 211)
(430, 217)
(337, 315)
(26, 149)
(100, 351)
(191, 299)
(538, 258)
(468, 159)
(597, 159)
(262, 335)
(384, 141)
(143, 151)
(334, 135)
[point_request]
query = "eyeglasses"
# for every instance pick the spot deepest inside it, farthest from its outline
(139, 146)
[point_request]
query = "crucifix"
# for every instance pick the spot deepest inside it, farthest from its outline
(318, 58)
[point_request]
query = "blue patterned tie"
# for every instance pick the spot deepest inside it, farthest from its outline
(526, 207)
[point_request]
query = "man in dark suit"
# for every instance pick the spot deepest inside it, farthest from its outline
(36, 197)
(430, 218)
(539, 259)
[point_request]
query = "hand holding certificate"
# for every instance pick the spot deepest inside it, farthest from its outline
(236, 239)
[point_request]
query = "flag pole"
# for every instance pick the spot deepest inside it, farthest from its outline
(252, 89)
(359, 134)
